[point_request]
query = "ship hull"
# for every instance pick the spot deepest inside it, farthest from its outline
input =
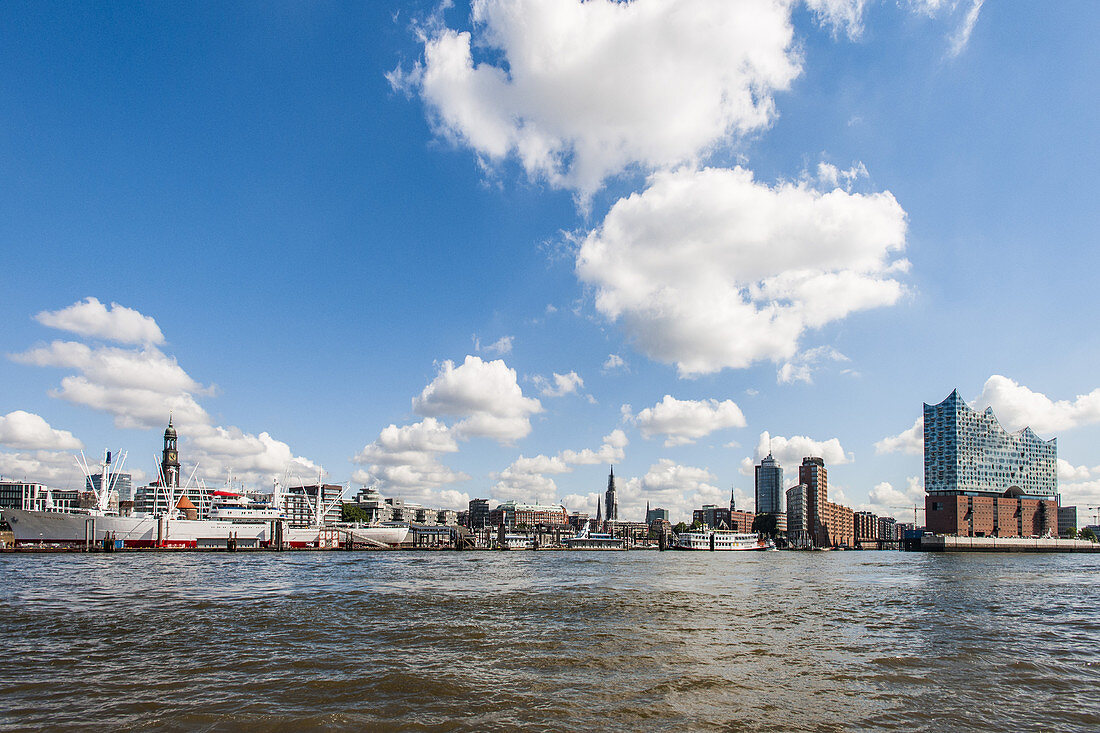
(65, 529)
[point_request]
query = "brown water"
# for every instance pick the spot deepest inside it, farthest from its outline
(550, 641)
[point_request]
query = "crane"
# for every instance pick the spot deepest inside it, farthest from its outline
(915, 509)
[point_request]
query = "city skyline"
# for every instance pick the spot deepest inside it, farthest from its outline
(364, 240)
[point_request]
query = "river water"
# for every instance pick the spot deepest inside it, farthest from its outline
(775, 641)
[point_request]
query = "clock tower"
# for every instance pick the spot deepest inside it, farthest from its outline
(170, 463)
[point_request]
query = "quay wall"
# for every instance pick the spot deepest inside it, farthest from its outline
(941, 543)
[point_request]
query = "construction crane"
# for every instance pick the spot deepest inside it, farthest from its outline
(1096, 511)
(915, 509)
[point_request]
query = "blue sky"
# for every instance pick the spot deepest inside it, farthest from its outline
(802, 219)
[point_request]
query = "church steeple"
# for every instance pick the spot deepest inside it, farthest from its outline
(170, 460)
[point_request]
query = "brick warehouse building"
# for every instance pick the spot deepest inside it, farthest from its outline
(983, 481)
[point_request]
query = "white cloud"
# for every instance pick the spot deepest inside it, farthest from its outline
(563, 384)
(887, 501)
(801, 367)
(525, 479)
(405, 461)
(92, 319)
(141, 385)
(910, 441)
(961, 37)
(56, 469)
(1017, 406)
(789, 452)
(685, 421)
(579, 92)
(614, 363)
(500, 347)
(27, 431)
(1082, 494)
(485, 394)
(672, 486)
(1067, 472)
(840, 15)
(710, 269)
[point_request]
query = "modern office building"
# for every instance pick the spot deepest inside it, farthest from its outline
(122, 483)
(34, 496)
(983, 481)
(611, 499)
(478, 516)
(1067, 517)
(815, 477)
(656, 514)
(300, 504)
(798, 516)
(769, 486)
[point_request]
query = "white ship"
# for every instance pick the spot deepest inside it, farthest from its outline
(232, 517)
(721, 540)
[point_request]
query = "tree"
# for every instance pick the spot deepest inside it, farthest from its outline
(1071, 532)
(764, 524)
(353, 513)
(680, 528)
(696, 524)
(1088, 534)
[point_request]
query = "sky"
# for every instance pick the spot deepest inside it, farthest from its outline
(459, 250)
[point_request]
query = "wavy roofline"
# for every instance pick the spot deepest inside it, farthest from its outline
(1024, 431)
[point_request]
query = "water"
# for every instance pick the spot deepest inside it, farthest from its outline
(775, 641)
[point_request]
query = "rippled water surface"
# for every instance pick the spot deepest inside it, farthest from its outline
(550, 640)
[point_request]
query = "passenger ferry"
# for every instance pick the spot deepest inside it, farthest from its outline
(721, 539)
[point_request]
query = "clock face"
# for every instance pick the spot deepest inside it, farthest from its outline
(171, 455)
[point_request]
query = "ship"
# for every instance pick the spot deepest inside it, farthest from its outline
(721, 540)
(234, 520)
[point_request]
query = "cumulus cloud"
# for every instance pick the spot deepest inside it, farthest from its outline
(485, 394)
(140, 385)
(886, 500)
(789, 452)
(710, 269)
(578, 92)
(55, 468)
(92, 319)
(613, 363)
(1081, 494)
(405, 461)
(1067, 472)
(801, 367)
(909, 441)
(685, 421)
(27, 431)
(562, 385)
(672, 486)
(1017, 406)
(526, 478)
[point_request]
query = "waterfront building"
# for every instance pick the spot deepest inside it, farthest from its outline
(769, 486)
(712, 516)
(1067, 517)
(611, 499)
(300, 504)
(983, 481)
(33, 496)
(122, 483)
(512, 514)
(866, 528)
(798, 517)
(479, 514)
(370, 500)
(813, 474)
(888, 529)
(447, 517)
(656, 514)
(156, 499)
